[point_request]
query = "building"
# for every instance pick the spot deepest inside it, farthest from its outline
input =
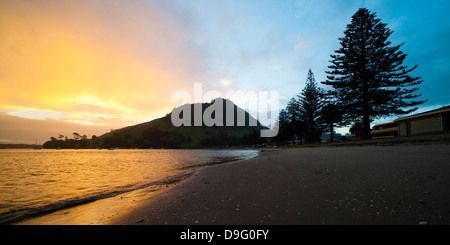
(384, 130)
(431, 121)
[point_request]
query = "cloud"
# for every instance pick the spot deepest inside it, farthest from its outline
(119, 58)
(23, 130)
(300, 43)
(118, 62)
(275, 68)
(32, 113)
(226, 83)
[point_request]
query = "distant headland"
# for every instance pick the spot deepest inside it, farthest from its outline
(161, 133)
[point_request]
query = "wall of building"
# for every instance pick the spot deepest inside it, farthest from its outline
(425, 125)
(446, 120)
(420, 125)
(402, 128)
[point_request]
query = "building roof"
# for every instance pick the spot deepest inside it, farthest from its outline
(424, 114)
(385, 124)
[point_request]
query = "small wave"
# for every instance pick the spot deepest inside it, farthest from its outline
(219, 160)
(182, 162)
(16, 215)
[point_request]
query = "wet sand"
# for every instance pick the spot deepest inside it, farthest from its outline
(406, 183)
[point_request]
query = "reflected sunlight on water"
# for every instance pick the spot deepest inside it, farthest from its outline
(37, 182)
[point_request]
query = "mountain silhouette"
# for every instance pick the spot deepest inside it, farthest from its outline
(161, 133)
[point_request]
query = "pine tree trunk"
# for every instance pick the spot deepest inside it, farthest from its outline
(365, 118)
(366, 125)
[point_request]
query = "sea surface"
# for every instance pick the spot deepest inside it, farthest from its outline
(36, 182)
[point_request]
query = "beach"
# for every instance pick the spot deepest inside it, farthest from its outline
(384, 183)
(379, 184)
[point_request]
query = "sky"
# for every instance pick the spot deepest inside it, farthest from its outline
(89, 66)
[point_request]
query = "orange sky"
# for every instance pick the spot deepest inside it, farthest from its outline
(112, 63)
(78, 61)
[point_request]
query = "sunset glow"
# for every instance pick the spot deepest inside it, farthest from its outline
(117, 63)
(79, 62)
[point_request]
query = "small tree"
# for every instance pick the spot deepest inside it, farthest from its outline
(367, 74)
(76, 136)
(331, 115)
(310, 105)
(356, 129)
(293, 113)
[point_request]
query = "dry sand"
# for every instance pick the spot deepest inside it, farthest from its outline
(371, 184)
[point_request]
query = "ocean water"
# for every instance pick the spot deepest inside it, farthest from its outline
(36, 182)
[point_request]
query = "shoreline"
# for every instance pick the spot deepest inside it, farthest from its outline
(404, 183)
(371, 184)
(101, 211)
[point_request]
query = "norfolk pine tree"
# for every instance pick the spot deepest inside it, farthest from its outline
(310, 104)
(367, 74)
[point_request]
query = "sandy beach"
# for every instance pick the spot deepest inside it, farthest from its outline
(387, 184)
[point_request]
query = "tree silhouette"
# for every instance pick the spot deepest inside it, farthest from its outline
(367, 74)
(295, 125)
(76, 136)
(310, 105)
(331, 114)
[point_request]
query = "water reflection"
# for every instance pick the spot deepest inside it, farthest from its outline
(38, 182)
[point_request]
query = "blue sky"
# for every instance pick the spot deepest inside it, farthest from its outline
(271, 45)
(264, 45)
(114, 63)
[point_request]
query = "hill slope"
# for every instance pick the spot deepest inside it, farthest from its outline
(161, 133)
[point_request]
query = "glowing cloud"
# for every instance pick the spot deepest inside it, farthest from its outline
(92, 62)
